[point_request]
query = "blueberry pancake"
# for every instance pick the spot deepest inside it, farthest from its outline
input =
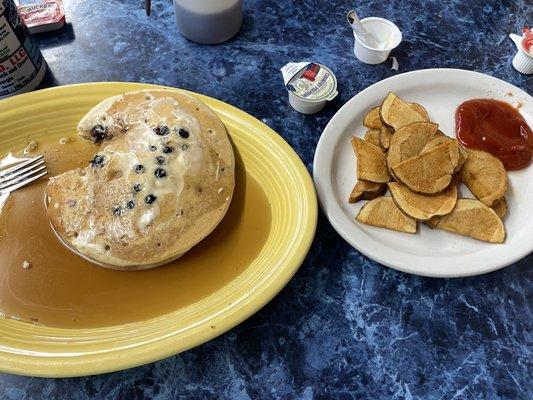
(161, 181)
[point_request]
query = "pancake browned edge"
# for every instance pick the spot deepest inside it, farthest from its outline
(162, 180)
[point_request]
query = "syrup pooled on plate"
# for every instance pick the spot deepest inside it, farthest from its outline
(60, 289)
(497, 128)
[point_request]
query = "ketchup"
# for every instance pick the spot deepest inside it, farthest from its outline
(496, 127)
(527, 41)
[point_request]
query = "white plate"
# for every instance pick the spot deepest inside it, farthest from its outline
(430, 252)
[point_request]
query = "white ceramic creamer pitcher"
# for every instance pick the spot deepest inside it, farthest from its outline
(208, 21)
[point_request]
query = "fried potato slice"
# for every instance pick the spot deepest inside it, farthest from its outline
(435, 141)
(463, 155)
(433, 221)
(441, 138)
(420, 109)
(409, 141)
(364, 190)
(397, 113)
(429, 172)
(372, 136)
(423, 206)
(372, 119)
(500, 207)
(371, 161)
(456, 179)
(472, 218)
(383, 212)
(385, 135)
(485, 176)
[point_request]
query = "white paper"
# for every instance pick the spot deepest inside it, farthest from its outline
(291, 69)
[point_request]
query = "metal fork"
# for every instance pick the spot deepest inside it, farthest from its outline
(21, 174)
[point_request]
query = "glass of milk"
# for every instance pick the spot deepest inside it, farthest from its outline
(208, 21)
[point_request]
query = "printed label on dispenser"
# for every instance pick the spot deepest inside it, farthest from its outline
(21, 62)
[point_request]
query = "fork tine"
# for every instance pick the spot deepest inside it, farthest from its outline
(22, 183)
(20, 178)
(10, 170)
(20, 172)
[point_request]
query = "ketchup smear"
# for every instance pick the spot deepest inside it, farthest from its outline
(497, 128)
(527, 41)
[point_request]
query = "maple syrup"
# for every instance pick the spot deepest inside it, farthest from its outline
(60, 289)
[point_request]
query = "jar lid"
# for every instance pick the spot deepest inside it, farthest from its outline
(310, 81)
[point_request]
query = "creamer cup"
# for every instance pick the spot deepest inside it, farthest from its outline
(310, 86)
(522, 61)
(387, 34)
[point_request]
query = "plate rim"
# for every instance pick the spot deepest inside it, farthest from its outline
(323, 179)
(225, 318)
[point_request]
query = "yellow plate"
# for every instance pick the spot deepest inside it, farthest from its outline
(42, 351)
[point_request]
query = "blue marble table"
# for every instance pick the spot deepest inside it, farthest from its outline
(344, 327)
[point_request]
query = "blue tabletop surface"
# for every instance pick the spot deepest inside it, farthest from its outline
(344, 327)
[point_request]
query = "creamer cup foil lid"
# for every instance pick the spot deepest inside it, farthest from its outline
(310, 81)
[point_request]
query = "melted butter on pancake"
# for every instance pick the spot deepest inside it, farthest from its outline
(125, 152)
